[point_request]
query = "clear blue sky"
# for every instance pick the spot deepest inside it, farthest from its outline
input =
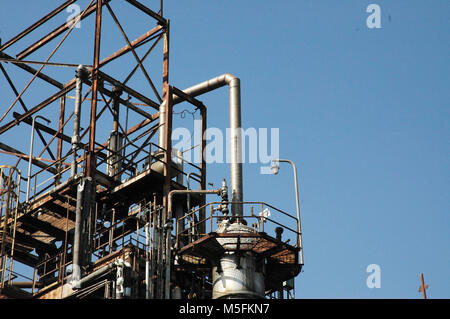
(364, 113)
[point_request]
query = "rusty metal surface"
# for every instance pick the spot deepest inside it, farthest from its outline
(119, 208)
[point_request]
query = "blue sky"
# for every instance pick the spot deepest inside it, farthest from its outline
(364, 113)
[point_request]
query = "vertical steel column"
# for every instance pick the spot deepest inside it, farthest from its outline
(91, 162)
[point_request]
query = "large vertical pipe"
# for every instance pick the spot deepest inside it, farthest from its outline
(235, 129)
(235, 146)
(77, 117)
(76, 267)
(83, 234)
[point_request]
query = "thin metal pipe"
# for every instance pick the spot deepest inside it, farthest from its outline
(189, 188)
(31, 152)
(299, 225)
(235, 129)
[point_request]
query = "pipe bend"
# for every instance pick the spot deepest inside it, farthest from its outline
(233, 83)
(229, 78)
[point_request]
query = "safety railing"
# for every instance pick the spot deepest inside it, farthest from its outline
(131, 159)
(52, 175)
(10, 178)
(117, 234)
(262, 218)
(53, 268)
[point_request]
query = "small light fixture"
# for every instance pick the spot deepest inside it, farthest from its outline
(275, 168)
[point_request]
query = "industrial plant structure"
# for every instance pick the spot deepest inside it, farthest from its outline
(86, 216)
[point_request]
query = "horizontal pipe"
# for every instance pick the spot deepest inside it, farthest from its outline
(190, 192)
(27, 284)
(97, 274)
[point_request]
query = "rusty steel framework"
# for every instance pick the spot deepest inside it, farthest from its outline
(94, 219)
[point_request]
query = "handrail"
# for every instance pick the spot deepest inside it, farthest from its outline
(260, 220)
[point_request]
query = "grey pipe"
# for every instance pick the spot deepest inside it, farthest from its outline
(97, 273)
(77, 116)
(297, 202)
(235, 129)
(76, 268)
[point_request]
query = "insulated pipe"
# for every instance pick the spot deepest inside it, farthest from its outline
(76, 269)
(97, 274)
(235, 129)
(76, 117)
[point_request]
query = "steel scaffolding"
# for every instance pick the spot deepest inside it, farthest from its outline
(95, 220)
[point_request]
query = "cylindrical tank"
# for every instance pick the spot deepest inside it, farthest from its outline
(115, 154)
(238, 274)
(158, 164)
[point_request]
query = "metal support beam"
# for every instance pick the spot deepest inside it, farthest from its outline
(135, 44)
(95, 85)
(67, 88)
(148, 11)
(33, 71)
(23, 155)
(56, 32)
(36, 24)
